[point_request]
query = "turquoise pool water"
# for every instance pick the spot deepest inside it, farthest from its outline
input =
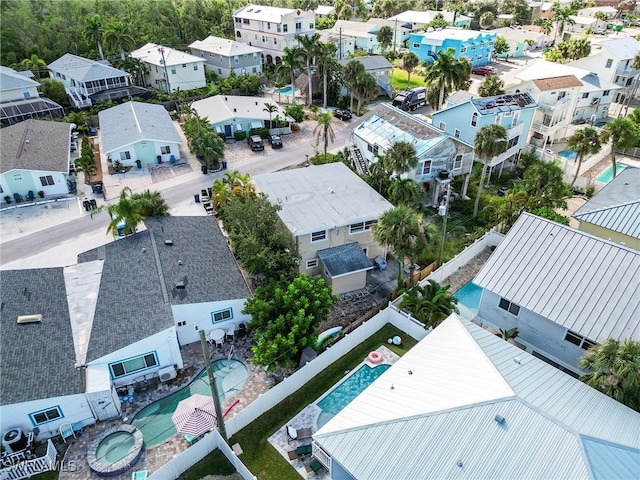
(343, 394)
(154, 421)
(570, 154)
(606, 176)
(469, 300)
(115, 447)
(286, 90)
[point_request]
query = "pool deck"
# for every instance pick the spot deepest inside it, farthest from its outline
(153, 458)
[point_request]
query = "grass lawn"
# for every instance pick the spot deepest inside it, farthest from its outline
(398, 80)
(259, 456)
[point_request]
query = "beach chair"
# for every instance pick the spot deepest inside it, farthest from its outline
(314, 466)
(301, 451)
(66, 431)
(298, 434)
(140, 475)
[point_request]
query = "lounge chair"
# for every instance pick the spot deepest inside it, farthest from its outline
(298, 434)
(301, 451)
(140, 475)
(314, 466)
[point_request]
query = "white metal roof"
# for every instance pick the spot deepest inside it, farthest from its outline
(263, 13)
(321, 197)
(586, 284)
(622, 48)
(418, 17)
(84, 70)
(224, 46)
(225, 108)
(151, 53)
(455, 33)
(10, 79)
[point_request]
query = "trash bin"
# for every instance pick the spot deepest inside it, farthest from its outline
(196, 198)
(172, 159)
(87, 205)
(224, 165)
(94, 204)
(204, 169)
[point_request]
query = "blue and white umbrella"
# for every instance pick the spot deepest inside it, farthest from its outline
(195, 415)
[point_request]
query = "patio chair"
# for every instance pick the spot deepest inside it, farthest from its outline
(242, 330)
(140, 475)
(314, 466)
(66, 431)
(30, 196)
(230, 333)
(299, 434)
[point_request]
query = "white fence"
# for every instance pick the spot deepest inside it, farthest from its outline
(29, 468)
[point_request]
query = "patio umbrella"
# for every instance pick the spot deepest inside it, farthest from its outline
(195, 415)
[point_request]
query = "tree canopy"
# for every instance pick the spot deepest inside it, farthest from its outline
(429, 304)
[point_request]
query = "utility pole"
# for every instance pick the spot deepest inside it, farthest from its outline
(443, 210)
(395, 34)
(166, 73)
(214, 388)
(340, 43)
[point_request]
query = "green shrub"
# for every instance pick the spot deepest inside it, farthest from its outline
(321, 159)
(240, 135)
(295, 111)
(263, 132)
(222, 136)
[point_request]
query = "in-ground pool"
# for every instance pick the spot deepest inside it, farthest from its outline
(154, 421)
(570, 154)
(115, 451)
(606, 176)
(469, 300)
(286, 90)
(114, 447)
(341, 395)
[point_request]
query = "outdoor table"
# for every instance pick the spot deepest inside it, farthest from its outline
(217, 335)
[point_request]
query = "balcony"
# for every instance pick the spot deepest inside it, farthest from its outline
(556, 107)
(515, 130)
(502, 157)
(623, 71)
(546, 128)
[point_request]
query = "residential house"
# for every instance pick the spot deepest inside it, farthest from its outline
(514, 112)
(136, 131)
(223, 56)
(610, 12)
(168, 69)
(519, 38)
(330, 211)
(83, 79)
(355, 36)
(420, 19)
(564, 289)
(581, 25)
(20, 99)
(376, 65)
(613, 63)
(475, 46)
(557, 98)
(614, 212)
(230, 114)
(272, 28)
(596, 93)
(324, 11)
(35, 157)
(384, 125)
(465, 403)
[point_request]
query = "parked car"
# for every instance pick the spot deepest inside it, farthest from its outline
(275, 141)
(484, 70)
(255, 142)
(342, 114)
(600, 31)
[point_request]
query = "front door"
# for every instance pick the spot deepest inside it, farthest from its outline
(227, 131)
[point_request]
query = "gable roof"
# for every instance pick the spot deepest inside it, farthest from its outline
(355, 29)
(11, 80)
(151, 53)
(132, 122)
(344, 259)
(38, 359)
(223, 46)
(617, 206)
(226, 108)
(519, 34)
(433, 415)
(623, 48)
(557, 83)
(321, 197)
(544, 69)
(372, 62)
(574, 279)
(84, 70)
(35, 145)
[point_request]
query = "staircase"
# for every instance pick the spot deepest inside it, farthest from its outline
(360, 163)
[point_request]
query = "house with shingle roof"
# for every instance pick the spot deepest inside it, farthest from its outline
(564, 289)
(138, 131)
(614, 212)
(376, 65)
(35, 157)
(223, 56)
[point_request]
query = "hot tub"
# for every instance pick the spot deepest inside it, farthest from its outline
(115, 451)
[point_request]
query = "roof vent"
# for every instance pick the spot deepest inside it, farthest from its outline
(180, 285)
(30, 318)
(256, 103)
(235, 110)
(168, 242)
(518, 360)
(500, 419)
(460, 464)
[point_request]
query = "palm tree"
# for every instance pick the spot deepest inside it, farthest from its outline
(546, 26)
(635, 64)
(614, 369)
(232, 184)
(324, 130)
(384, 36)
(490, 141)
(365, 88)
(401, 157)
(126, 211)
(584, 141)
(622, 133)
(509, 334)
(562, 16)
(487, 19)
(33, 63)
(151, 204)
(290, 63)
(405, 191)
(117, 35)
(400, 229)
(491, 85)
(93, 31)
(579, 48)
(208, 145)
(409, 62)
(270, 108)
(326, 56)
(309, 45)
(447, 73)
(349, 74)
(134, 67)
(429, 304)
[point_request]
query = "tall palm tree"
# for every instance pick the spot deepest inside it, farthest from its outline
(309, 44)
(326, 56)
(614, 369)
(208, 145)
(622, 133)
(384, 36)
(365, 88)
(349, 74)
(33, 63)
(93, 31)
(324, 130)
(429, 304)
(490, 86)
(127, 211)
(401, 157)
(562, 17)
(447, 73)
(584, 141)
(290, 63)
(409, 62)
(490, 141)
(117, 35)
(546, 26)
(270, 108)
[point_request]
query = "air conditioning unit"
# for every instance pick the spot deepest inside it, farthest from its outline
(167, 373)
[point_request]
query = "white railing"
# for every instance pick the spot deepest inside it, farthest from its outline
(323, 457)
(558, 106)
(29, 468)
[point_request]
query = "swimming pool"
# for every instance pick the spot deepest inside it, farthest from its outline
(606, 176)
(287, 90)
(341, 395)
(570, 154)
(469, 300)
(154, 421)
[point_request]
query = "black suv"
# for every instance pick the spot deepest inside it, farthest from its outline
(342, 114)
(255, 142)
(275, 141)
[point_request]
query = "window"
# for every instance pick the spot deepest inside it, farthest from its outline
(416, 45)
(606, 93)
(46, 181)
(165, 150)
(319, 236)
(222, 315)
(275, 41)
(238, 34)
(472, 47)
(246, 21)
(457, 162)
(173, 71)
(45, 416)
(579, 340)
(311, 26)
(312, 263)
(184, 65)
(26, 93)
(219, 71)
(195, 67)
(134, 364)
(585, 95)
(373, 148)
(236, 59)
(426, 167)
(513, 142)
(285, 28)
(509, 307)
(362, 226)
(442, 126)
(457, 133)
(609, 63)
(463, 49)
(125, 155)
(279, 28)
(298, 27)
(254, 70)
(474, 119)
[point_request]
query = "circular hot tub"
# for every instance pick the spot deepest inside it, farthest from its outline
(115, 451)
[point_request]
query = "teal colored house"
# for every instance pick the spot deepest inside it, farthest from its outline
(473, 45)
(514, 112)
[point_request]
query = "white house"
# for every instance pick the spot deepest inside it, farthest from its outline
(565, 290)
(138, 131)
(325, 11)
(223, 56)
(20, 99)
(355, 36)
(35, 157)
(464, 403)
(169, 69)
(329, 211)
(377, 66)
(272, 28)
(83, 78)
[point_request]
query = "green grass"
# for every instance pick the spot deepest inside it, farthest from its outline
(399, 80)
(259, 456)
(214, 462)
